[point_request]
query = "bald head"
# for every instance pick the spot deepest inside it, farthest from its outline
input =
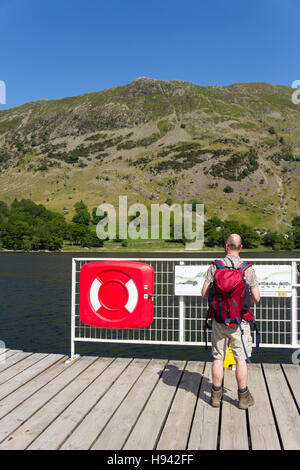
(233, 243)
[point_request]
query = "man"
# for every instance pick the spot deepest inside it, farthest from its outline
(223, 335)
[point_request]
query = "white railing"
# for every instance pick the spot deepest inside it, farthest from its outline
(180, 320)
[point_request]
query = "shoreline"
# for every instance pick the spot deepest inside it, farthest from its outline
(95, 250)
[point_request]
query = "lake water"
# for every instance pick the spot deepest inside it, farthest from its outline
(35, 292)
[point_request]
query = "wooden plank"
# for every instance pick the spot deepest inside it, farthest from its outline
(292, 373)
(122, 422)
(4, 355)
(262, 425)
(86, 433)
(11, 359)
(26, 375)
(176, 430)
(30, 429)
(286, 413)
(8, 352)
(13, 399)
(204, 432)
(28, 407)
(54, 436)
(233, 420)
(20, 367)
(146, 432)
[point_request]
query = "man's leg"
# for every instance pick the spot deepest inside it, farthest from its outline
(219, 347)
(241, 374)
(244, 395)
(217, 372)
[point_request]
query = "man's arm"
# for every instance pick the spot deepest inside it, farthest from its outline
(205, 289)
(209, 277)
(254, 285)
(255, 295)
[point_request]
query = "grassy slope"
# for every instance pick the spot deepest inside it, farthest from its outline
(218, 121)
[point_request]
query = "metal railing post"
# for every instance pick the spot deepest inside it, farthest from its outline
(73, 309)
(181, 316)
(181, 319)
(294, 307)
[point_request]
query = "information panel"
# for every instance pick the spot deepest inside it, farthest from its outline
(274, 280)
(189, 279)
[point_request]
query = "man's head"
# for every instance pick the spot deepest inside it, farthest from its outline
(233, 244)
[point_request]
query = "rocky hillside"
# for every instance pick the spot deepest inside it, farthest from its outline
(235, 148)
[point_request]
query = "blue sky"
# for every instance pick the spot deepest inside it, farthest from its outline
(52, 49)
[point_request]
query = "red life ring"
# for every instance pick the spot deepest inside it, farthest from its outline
(113, 294)
(116, 294)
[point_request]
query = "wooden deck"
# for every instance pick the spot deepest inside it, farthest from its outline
(133, 404)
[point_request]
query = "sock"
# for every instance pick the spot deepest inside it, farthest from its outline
(243, 390)
(216, 388)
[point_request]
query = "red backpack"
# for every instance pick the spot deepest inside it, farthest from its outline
(229, 294)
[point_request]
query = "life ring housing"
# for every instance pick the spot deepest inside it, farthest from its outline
(116, 294)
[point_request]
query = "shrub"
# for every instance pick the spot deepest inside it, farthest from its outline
(42, 167)
(296, 221)
(237, 166)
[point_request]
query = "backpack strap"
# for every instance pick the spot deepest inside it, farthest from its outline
(206, 327)
(219, 264)
(257, 333)
(243, 266)
(238, 321)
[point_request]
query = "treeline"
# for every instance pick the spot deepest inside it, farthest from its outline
(216, 231)
(25, 225)
(29, 226)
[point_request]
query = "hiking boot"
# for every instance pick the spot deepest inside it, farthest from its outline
(215, 398)
(245, 399)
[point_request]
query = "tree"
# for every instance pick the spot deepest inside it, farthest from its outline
(30, 226)
(91, 240)
(96, 218)
(229, 227)
(296, 221)
(279, 241)
(212, 232)
(3, 211)
(13, 232)
(76, 233)
(251, 239)
(82, 215)
(296, 233)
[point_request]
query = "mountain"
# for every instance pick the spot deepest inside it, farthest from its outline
(235, 148)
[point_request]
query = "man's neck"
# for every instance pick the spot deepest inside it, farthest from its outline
(233, 253)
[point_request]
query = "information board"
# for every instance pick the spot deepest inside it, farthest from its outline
(274, 280)
(189, 279)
